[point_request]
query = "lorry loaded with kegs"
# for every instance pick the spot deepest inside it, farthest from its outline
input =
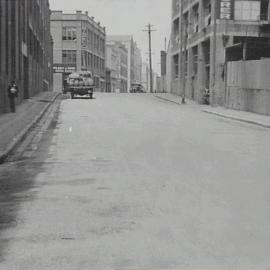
(80, 84)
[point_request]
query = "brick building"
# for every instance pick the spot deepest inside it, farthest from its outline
(208, 33)
(25, 48)
(79, 45)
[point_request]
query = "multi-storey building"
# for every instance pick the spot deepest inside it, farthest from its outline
(137, 65)
(134, 58)
(117, 63)
(25, 48)
(79, 45)
(206, 34)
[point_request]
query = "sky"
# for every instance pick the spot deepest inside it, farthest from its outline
(128, 17)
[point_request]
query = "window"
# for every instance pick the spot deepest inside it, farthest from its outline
(69, 57)
(69, 33)
(176, 66)
(247, 10)
(195, 60)
(176, 27)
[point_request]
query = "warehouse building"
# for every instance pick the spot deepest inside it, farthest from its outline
(25, 48)
(79, 45)
(208, 33)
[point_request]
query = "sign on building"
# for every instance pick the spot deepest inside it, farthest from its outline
(61, 68)
(225, 9)
(84, 38)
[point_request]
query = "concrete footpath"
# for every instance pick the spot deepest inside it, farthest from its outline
(242, 116)
(15, 126)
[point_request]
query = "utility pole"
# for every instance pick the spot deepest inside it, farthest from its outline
(213, 64)
(150, 30)
(183, 52)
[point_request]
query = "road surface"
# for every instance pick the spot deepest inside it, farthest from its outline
(134, 182)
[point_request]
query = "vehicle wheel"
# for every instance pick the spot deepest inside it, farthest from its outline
(91, 96)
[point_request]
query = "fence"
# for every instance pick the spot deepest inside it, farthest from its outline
(248, 86)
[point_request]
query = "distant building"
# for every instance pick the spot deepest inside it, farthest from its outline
(79, 45)
(25, 48)
(134, 58)
(146, 77)
(108, 87)
(208, 33)
(137, 65)
(158, 84)
(117, 62)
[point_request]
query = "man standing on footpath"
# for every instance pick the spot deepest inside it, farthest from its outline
(12, 94)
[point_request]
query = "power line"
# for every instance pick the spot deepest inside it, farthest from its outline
(150, 30)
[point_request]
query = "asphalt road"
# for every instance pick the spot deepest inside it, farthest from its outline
(134, 182)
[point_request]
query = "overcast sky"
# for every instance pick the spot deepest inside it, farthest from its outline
(128, 17)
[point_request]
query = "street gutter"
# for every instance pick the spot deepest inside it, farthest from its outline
(231, 117)
(23, 134)
(240, 119)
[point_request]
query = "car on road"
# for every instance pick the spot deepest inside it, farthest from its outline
(137, 88)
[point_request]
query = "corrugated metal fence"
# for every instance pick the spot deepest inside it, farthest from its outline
(248, 86)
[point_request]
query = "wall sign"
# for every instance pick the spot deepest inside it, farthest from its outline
(84, 38)
(225, 9)
(61, 68)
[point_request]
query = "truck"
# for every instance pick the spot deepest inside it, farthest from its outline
(80, 84)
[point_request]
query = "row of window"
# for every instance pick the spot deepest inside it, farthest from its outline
(90, 60)
(194, 59)
(89, 38)
(10, 24)
(69, 57)
(243, 10)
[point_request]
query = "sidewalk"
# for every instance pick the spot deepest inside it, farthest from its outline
(247, 117)
(14, 126)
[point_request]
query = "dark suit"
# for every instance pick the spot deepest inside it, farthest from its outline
(12, 94)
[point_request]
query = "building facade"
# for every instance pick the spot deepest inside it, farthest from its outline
(208, 33)
(117, 63)
(134, 58)
(79, 45)
(25, 48)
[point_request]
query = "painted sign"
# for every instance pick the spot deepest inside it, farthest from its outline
(61, 68)
(225, 9)
(84, 38)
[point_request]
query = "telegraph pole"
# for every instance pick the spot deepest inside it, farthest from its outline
(183, 52)
(150, 30)
(213, 63)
